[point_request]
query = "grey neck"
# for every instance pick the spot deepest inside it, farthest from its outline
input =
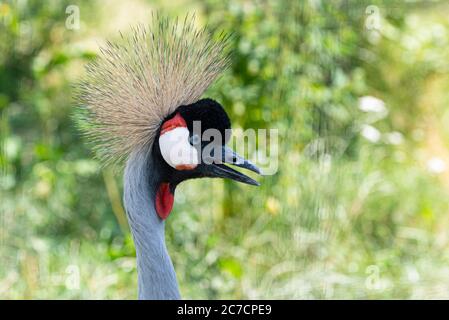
(156, 275)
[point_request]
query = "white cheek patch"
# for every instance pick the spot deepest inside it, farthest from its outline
(176, 149)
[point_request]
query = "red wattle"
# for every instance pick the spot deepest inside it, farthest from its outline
(164, 200)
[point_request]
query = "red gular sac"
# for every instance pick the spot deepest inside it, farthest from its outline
(164, 200)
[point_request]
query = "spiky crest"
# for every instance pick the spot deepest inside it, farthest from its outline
(137, 81)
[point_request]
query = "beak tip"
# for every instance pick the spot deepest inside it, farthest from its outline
(253, 182)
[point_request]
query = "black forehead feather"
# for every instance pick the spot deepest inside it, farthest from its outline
(209, 112)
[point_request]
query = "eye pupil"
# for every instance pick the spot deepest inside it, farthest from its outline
(194, 139)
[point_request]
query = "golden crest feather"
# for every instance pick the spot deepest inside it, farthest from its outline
(137, 81)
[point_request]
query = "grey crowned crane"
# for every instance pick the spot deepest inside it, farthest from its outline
(138, 103)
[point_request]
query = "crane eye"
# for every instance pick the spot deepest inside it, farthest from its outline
(194, 139)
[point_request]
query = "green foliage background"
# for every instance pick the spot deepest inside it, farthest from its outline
(357, 209)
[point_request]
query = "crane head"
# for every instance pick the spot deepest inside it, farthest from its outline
(141, 94)
(192, 144)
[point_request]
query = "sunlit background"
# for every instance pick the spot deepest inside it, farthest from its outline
(358, 208)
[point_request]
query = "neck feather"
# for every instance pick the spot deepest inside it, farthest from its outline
(156, 275)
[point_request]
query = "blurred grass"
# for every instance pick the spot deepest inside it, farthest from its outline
(357, 209)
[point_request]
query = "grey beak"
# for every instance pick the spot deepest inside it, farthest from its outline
(216, 168)
(231, 157)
